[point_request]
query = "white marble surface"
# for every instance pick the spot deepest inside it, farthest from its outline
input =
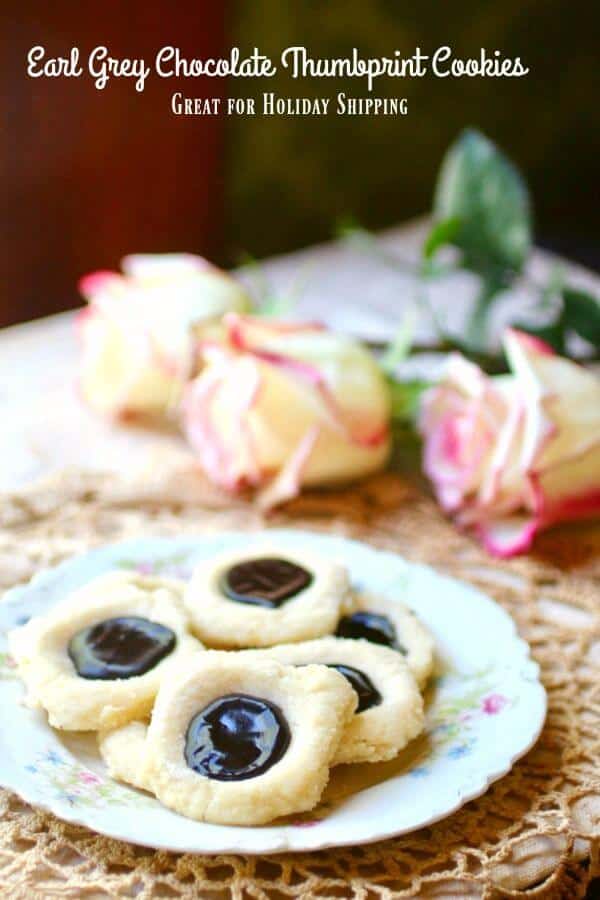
(45, 427)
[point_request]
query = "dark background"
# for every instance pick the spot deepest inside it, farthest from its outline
(87, 176)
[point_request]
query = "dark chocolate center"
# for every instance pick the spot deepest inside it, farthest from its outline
(266, 582)
(236, 737)
(368, 695)
(370, 627)
(122, 647)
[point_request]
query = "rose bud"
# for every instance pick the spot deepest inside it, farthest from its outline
(513, 454)
(281, 405)
(139, 330)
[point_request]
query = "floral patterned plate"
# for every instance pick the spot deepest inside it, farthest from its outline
(485, 709)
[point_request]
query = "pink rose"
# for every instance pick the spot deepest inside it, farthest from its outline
(139, 330)
(280, 405)
(515, 453)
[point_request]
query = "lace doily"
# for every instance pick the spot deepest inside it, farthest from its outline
(536, 830)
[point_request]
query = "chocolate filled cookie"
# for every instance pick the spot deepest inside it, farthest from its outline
(381, 620)
(96, 660)
(389, 710)
(242, 740)
(261, 596)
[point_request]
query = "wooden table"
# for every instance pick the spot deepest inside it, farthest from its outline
(46, 427)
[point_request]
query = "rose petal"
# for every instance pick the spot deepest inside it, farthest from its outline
(146, 266)
(286, 485)
(569, 489)
(250, 332)
(508, 537)
(229, 460)
(562, 401)
(199, 430)
(103, 281)
(246, 332)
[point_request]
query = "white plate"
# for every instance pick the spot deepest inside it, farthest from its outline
(485, 710)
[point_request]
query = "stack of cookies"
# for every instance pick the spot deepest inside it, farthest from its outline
(231, 697)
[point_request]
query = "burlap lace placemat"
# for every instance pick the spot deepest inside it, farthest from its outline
(536, 830)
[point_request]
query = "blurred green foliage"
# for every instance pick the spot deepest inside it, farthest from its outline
(290, 179)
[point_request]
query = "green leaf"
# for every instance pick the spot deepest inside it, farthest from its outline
(581, 313)
(406, 398)
(275, 307)
(346, 226)
(476, 337)
(553, 288)
(481, 188)
(398, 349)
(261, 289)
(442, 233)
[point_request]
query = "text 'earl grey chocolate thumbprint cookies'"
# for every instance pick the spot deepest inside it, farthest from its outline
(262, 596)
